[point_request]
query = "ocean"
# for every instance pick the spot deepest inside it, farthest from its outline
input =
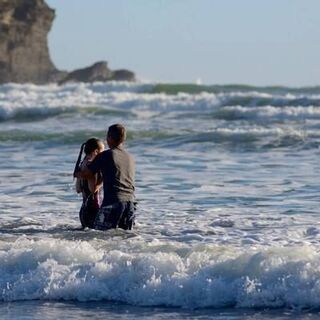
(227, 187)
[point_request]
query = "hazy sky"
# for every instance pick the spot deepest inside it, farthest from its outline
(257, 42)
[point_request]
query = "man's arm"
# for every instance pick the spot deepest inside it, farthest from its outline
(92, 168)
(85, 173)
(94, 185)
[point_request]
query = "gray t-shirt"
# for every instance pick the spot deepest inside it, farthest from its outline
(118, 172)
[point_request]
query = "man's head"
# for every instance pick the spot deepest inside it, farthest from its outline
(116, 135)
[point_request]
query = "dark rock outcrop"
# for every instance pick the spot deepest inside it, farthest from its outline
(123, 75)
(24, 53)
(98, 72)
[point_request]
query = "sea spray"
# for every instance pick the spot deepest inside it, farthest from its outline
(212, 277)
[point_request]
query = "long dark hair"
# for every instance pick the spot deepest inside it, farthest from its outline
(88, 147)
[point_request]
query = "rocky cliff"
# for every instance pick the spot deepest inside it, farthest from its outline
(24, 53)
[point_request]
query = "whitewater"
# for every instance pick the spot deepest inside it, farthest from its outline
(228, 203)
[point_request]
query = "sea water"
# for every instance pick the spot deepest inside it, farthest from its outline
(227, 186)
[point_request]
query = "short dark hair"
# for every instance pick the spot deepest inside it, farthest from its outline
(117, 132)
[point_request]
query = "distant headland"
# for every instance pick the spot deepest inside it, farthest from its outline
(24, 52)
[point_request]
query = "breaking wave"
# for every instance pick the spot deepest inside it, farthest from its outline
(23, 102)
(246, 136)
(200, 277)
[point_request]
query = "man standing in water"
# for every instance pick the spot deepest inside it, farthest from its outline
(118, 172)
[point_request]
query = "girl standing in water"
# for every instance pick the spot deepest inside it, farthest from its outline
(89, 187)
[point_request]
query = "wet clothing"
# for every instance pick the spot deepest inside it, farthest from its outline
(118, 173)
(88, 211)
(90, 202)
(118, 215)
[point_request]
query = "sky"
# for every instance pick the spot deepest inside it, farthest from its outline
(257, 42)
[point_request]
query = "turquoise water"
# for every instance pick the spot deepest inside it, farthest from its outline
(227, 185)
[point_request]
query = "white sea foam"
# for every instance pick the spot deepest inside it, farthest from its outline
(42, 100)
(31, 100)
(207, 276)
(270, 112)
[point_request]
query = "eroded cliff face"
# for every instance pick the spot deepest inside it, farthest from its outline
(24, 54)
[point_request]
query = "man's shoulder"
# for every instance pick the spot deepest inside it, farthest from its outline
(105, 153)
(122, 153)
(112, 153)
(100, 158)
(126, 152)
(118, 150)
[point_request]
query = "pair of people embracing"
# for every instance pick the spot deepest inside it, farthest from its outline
(114, 169)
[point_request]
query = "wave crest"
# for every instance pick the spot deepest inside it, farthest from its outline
(204, 277)
(30, 101)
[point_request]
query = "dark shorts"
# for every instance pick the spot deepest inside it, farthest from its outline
(118, 215)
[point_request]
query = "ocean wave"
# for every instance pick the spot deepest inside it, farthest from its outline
(98, 87)
(242, 136)
(78, 136)
(266, 113)
(26, 102)
(175, 88)
(201, 277)
(247, 137)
